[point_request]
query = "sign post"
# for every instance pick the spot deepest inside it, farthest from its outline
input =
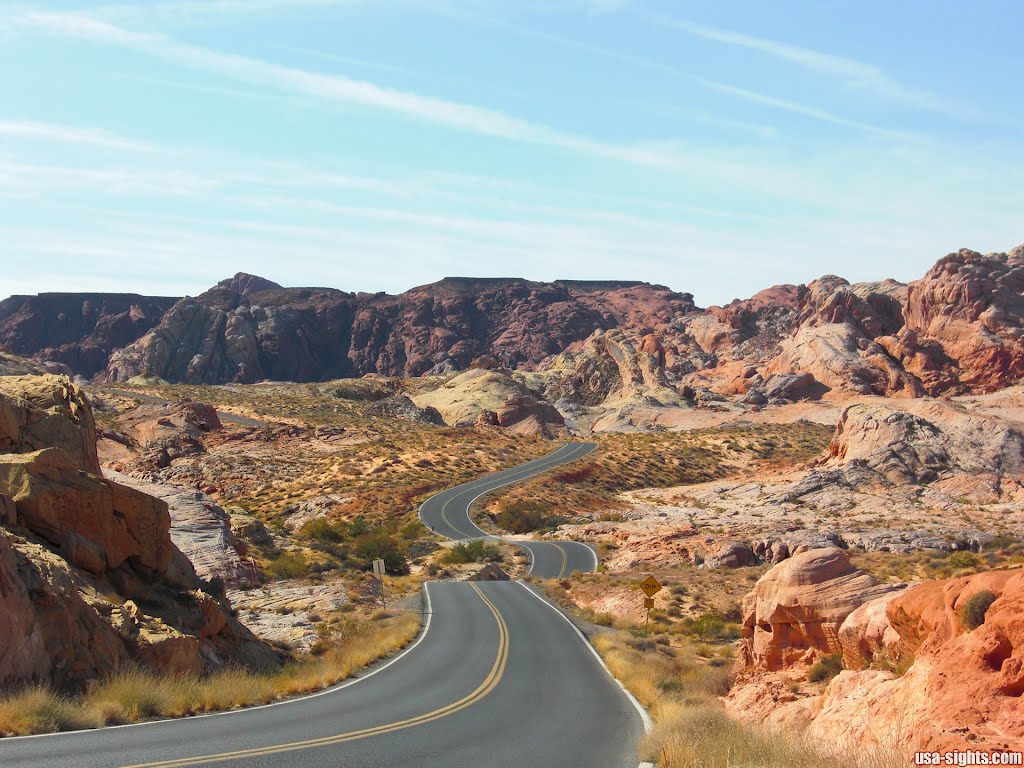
(378, 571)
(650, 586)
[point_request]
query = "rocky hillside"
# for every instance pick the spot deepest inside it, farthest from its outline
(956, 330)
(89, 577)
(77, 329)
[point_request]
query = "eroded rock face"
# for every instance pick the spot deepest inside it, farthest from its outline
(963, 688)
(935, 443)
(487, 396)
(77, 329)
(794, 613)
(79, 554)
(201, 529)
(163, 432)
(956, 330)
(246, 329)
(963, 323)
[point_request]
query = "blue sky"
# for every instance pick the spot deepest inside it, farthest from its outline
(377, 145)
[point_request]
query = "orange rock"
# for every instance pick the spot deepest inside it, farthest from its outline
(794, 613)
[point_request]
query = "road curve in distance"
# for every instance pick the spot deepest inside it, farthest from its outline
(447, 514)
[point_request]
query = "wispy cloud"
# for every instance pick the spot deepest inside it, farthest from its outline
(336, 87)
(28, 129)
(854, 73)
(177, 12)
(787, 105)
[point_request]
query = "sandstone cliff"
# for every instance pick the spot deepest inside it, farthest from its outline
(90, 577)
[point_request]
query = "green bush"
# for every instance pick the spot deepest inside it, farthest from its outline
(712, 626)
(826, 668)
(475, 551)
(413, 530)
(523, 516)
(323, 531)
(963, 560)
(383, 545)
(288, 565)
(972, 613)
(358, 527)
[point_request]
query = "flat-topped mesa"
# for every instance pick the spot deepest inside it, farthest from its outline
(80, 330)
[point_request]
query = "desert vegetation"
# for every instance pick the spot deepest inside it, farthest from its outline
(679, 678)
(634, 461)
(135, 695)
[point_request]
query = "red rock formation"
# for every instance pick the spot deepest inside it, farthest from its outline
(958, 329)
(962, 688)
(78, 329)
(794, 613)
(245, 329)
(963, 324)
(77, 549)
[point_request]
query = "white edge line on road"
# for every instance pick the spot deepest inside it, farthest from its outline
(646, 718)
(428, 612)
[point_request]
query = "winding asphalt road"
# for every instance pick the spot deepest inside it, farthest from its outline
(447, 514)
(497, 677)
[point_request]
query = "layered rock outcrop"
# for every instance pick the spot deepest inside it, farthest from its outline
(493, 396)
(91, 578)
(961, 688)
(963, 330)
(934, 443)
(159, 433)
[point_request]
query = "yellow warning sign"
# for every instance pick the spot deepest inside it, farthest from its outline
(648, 602)
(651, 586)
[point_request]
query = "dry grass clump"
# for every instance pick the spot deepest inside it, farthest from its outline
(39, 710)
(135, 695)
(692, 728)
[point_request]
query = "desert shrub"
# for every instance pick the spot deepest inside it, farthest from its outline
(826, 668)
(574, 475)
(963, 560)
(383, 545)
(360, 526)
(412, 530)
(288, 565)
(712, 626)
(972, 613)
(523, 516)
(324, 531)
(475, 551)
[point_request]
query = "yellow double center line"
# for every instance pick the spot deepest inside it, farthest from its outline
(565, 559)
(546, 463)
(488, 685)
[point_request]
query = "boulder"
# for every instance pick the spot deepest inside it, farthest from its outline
(730, 554)
(867, 636)
(490, 572)
(794, 612)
